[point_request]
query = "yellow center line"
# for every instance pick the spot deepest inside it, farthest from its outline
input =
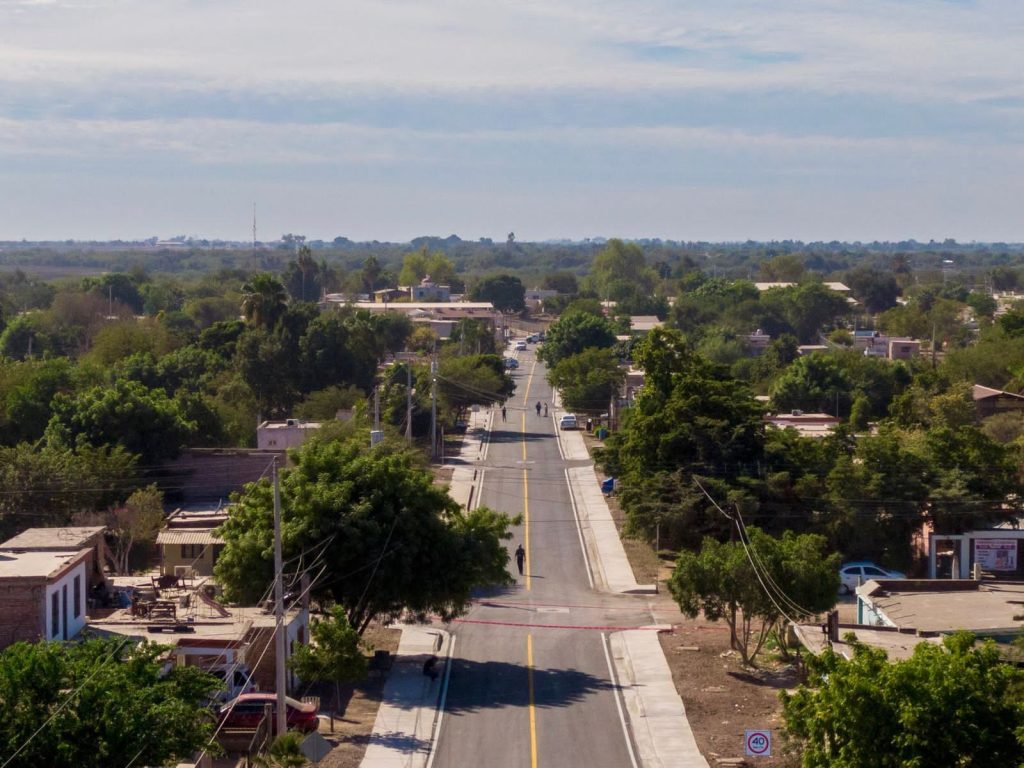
(533, 708)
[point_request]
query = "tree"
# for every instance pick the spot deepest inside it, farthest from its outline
(395, 541)
(721, 582)
(115, 286)
(145, 421)
(949, 704)
(263, 300)
(563, 282)
(49, 485)
(875, 289)
(808, 308)
(589, 380)
(335, 654)
(303, 276)
(574, 332)
(103, 702)
(285, 752)
(620, 269)
(137, 521)
(505, 292)
(472, 380)
(784, 268)
(474, 336)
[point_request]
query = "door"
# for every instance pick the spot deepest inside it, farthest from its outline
(64, 612)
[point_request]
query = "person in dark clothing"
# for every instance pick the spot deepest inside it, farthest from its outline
(520, 558)
(503, 413)
(538, 407)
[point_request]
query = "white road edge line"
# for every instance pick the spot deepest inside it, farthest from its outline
(487, 436)
(618, 704)
(579, 529)
(444, 699)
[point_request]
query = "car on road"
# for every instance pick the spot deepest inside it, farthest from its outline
(520, 345)
(853, 574)
(248, 710)
(511, 363)
(532, 338)
(568, 421)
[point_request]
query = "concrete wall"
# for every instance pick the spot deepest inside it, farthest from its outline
(68, 625)
(172, 555)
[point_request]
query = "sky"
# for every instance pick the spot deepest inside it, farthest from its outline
(388, 119)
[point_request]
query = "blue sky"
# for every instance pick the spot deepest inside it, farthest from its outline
(387, 119)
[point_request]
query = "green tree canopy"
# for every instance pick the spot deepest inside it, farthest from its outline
(953, 704)
(589, 380)
(145, 421)
(263, 300)
(721, 582)
(103, 703)
(505, 292)
(574, 332)
(392, 540)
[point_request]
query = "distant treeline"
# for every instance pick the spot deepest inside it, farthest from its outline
(670, 258)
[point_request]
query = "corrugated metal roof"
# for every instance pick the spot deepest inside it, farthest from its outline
(167, 536)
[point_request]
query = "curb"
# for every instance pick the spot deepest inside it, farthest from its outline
(407, 721)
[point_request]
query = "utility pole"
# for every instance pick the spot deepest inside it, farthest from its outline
(433, 407)
(408, 401)
(279, 630)
(376, 407)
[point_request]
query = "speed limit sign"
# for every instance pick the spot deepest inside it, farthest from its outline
(757, 743)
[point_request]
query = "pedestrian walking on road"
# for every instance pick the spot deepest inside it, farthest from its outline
(520, 558)
(538, 407)
(503, 413)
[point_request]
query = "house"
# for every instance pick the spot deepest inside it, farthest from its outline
(71, 539)
(428, 291)
(201, 631)
(995, 551)
(875, 344)
(281, 435)
(807, 424)
(757, 342)
(641, 325)
(989, 402)
(387, 295)
(897, 615)
(42, 594)
(903, 348)
(835, 286)
(188, 545)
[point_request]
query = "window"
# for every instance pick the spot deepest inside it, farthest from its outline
(78, 596)
(55, 614)
(192, 551)
(870, 571)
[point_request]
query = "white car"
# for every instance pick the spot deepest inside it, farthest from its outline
(852, 575)
(520, 346)
(568, 421)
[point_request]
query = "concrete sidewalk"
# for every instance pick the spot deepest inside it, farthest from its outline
(656, 714)
(608, 560)
(404, 729)
(466, 478)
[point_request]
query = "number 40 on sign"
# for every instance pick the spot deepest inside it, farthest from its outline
(757, 743)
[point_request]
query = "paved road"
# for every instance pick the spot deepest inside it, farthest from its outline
(531, 683)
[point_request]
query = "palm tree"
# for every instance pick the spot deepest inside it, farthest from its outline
(285, 752)
(263, 300)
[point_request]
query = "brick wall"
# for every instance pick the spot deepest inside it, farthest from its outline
(22, 612)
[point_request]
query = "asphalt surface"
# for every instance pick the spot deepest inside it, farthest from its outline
(531, 683)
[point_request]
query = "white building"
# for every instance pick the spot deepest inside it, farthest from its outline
(281, 435)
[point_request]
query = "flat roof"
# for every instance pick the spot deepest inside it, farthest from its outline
(205, 625)
(35, 564)
(992, 605)
(67, 538)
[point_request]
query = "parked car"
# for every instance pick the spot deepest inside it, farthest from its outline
(568, 421)
(532, 338)
(237, 679)
(247, 712)
(853, 574)
(520, 345)
(511, 362)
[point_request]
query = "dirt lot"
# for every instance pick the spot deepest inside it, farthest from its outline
(722, 698)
